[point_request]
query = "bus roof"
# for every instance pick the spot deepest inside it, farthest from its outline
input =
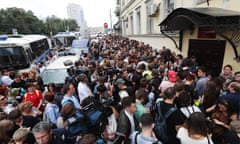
(21, 40)
(65, 34)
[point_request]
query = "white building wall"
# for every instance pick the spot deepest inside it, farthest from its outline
(75, 12)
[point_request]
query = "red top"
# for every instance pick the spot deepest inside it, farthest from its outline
(34, 97)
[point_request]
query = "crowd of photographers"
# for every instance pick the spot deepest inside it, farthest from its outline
(117, 86)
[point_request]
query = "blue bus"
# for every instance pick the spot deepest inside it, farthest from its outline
(23, 51)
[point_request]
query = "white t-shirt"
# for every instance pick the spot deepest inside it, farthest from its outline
(182, 135)
(83, 91)
(6, 80)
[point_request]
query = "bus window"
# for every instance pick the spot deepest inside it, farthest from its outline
(29, 54)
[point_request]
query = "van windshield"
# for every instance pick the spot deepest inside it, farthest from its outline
(12, 57)
(61, 40)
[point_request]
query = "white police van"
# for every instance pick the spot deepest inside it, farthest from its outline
(56, 72)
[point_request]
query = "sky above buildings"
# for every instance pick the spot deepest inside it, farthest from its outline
(96, 12)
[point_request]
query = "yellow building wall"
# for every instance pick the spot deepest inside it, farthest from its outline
(132, 10)
(229, 52)
(159, 41)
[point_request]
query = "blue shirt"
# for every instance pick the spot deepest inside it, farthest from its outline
(144, 140)
(234, 100)
(73, 99)
(201, 86)
(51, 113)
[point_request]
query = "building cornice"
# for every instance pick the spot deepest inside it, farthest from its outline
(127, 5)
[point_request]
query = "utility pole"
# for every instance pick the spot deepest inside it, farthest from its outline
(110, 21)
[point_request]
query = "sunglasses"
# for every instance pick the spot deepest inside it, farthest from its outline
(224, 102)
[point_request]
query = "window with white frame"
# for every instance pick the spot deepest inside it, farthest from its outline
(149, 21)
(131, 22)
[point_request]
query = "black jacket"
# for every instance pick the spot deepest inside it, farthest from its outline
(124, 127)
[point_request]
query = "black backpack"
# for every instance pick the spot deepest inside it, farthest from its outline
(86, 120)
(160, 128)
(77, 123)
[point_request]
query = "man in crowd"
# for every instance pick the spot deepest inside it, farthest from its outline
(5, 78)
(176, 118)
(201, 83)
(83, 90)
(127, 122)
(123, 89)
(69, 90)
(146, 136)
(45, 135)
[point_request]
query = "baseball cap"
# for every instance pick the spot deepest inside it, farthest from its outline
(172, 76)
(120, 81)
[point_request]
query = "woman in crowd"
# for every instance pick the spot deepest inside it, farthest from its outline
(30, 117)
(195, 130)
(6, 131)
(22, 136)
(210, 95)
(220, 120)
(32, 95)
(51, 112)
(51, 87)
(4, 106)
(27, 109)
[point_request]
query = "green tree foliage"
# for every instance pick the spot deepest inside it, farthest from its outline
(54, 25)
(24, 21)
(27, 23)
(72, 24)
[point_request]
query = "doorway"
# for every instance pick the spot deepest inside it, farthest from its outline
(209, 53)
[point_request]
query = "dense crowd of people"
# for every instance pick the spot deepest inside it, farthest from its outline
(123, 82)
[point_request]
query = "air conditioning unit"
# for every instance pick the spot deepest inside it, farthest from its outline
(153, 9)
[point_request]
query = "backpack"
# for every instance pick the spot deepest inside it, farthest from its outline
(160, 128)
(86, 120)
(97, 118)
(77, 123)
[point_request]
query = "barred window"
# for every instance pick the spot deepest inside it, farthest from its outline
(200, 1)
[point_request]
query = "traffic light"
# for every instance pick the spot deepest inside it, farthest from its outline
(105, 25)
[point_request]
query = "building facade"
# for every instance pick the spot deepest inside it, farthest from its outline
(146, 20)
(75, 11)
